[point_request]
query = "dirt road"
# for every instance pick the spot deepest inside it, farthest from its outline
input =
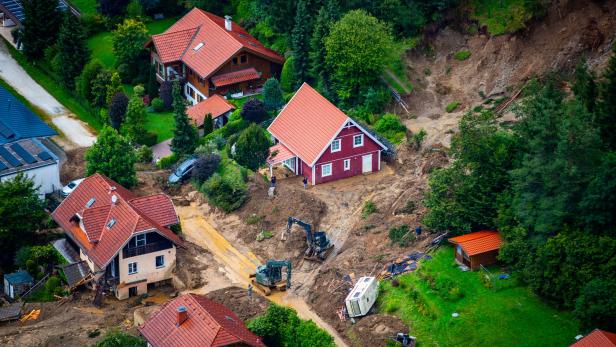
(76, 132)
(239, 264)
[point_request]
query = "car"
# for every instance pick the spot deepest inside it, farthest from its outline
(70, 187)
(182, 171)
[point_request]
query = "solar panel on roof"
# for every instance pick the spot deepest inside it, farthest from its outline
(2, 166)
(16, 147)
(9, 157)
(44, 156)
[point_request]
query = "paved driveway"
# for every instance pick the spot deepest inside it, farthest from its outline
(76, 132)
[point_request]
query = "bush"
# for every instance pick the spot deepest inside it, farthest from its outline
(225, 192)
(205, 167)
(368, 209)
(139, 90)
(390, 127)
(462, 55)
(254, 111)
(148, 139)
(167, 162)
(143, 154)
(452, 106)
(158, 105)
(115, 338)
(417, 139)
(287, 76)
(52, 283)
(272, 95)
(400, 235)
(125, 72)
(252, 147)
(375, 99)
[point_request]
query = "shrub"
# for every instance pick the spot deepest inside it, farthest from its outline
(417, 139)
(205, 167)
(287, 76)
(462, 55)
(452, 106)
(390, 127)
(117, 109)
(254, 111)
(148, 139)
(167, 162)
(166, 94)
(253, 219)
(376, 98)
(252, 147)
(158, 105)
(272, 95)
(368, 209)
(225, 192)
(400, 235)
(139, 90)
(52, 283)
(264, 234)
(115, 338)
(143, 154)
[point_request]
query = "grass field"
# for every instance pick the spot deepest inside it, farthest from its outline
(162, 124)
(509, 316)
(101, 45)
(63, 95)
(86, 7)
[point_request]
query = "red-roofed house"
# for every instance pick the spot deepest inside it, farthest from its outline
(478, 248)
(124, 239)
(216, 105)
(597, 338)
(212, 55)
(316, 140)
(194, 320)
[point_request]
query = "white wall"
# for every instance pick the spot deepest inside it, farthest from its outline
(47, 178)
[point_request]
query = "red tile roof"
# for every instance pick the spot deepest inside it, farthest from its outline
(235, 77)
(478, 242)
(597, 338)
(129, 213)
(208, 324)
(281, 152)
(308, 124)
(215, 104)
(219, 45)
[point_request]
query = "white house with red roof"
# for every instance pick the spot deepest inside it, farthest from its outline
(212, 55)
(125, 240)
(194, 320)
(316, 140)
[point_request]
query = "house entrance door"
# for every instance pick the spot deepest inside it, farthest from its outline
(366, 163)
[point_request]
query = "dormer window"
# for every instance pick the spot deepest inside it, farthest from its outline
(111, 223)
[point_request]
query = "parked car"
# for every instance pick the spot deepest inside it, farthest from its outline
(182, 171)
(70, 187)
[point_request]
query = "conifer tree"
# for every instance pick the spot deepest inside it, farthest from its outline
(185, 134)
(114, 87)
(73, 52)
(299, 40)
(585, 87)
(272, 95)
(319, 70)
(134, 124)
(40, 26)
(606, 115)
(208, 125)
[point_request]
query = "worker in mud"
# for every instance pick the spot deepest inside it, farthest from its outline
(418, 230)
(250, 291)
(305, 181)
(273, 181)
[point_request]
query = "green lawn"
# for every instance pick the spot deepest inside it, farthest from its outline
(162, 124)
(509, 316)
(500, 16)
(63, 95)
(86, 7)
(101, 45)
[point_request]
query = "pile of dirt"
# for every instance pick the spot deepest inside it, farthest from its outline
(75, 165)
(375, 330)
(239, 302)
(191, 263)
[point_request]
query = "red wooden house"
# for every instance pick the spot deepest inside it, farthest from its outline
(212, 55)
(316, 140)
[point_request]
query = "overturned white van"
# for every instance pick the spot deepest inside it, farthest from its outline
(362, 297)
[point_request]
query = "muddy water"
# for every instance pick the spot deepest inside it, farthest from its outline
(238, 265)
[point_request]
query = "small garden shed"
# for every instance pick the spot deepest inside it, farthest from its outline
(17, 283)
(478, 248)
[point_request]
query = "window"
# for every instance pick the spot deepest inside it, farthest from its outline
(202, 81)
(160, 261)
(336, 146)
(234, 61)
(358, 140)
(132, 268)
(111, 223)
(161, 68)
(326, 170)
(140, 240)
(243, 59)
(347, 164)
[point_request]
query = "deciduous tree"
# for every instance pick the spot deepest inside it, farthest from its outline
(113, 156)
(128, 40)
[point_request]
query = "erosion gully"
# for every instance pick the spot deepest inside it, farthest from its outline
(238, 265)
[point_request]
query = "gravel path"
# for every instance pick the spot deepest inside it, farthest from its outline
(74, 130)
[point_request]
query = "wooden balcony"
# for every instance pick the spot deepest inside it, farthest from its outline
(129, 252)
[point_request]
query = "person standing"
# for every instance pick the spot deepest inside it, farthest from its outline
(305, 181)
(273, 181)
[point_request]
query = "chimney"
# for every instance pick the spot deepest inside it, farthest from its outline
(228, 23)
(114, 199)
(182, 315)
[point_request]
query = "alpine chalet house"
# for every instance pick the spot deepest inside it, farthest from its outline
(212, 55)
(316, 140)
(194, 320)
(124, 240)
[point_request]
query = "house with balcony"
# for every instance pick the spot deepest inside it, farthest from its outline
(212, 55)
(124, 242)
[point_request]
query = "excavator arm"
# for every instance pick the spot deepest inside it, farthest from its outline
(307, 227)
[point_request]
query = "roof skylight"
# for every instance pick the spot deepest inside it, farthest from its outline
(198, 46)
(91, 202)
(111, 223)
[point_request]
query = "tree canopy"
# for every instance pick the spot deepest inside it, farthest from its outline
(185, 135)
(113, 156)
(252, 147)
(73, 53)
(41, 26)
(128, 40)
